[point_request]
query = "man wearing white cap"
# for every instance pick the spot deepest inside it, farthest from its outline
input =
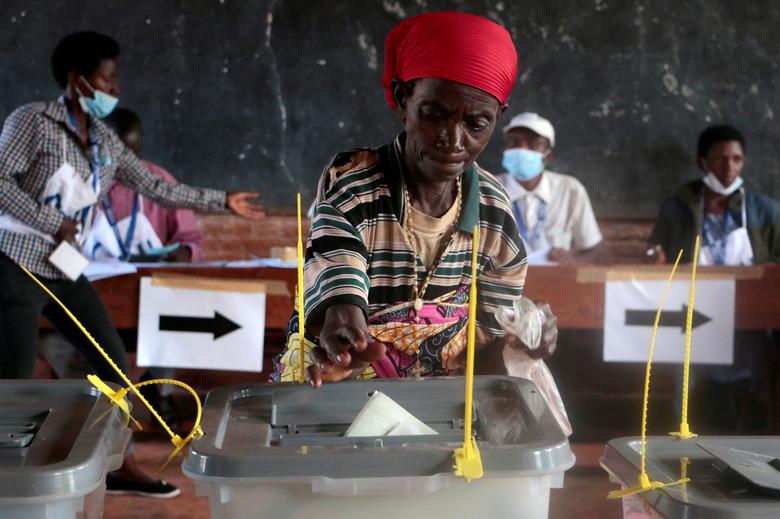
(553, 211)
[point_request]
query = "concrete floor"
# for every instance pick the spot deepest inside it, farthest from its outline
(583, 497)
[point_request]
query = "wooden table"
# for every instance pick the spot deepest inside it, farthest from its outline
(576, 294)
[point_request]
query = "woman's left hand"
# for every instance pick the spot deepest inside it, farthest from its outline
(239, 203)
(549, 339)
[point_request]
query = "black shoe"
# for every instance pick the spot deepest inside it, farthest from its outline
(160, 489)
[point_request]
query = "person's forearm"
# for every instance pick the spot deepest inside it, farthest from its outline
(19, 204)
(596, 254)
(132, 173)
(337, 313)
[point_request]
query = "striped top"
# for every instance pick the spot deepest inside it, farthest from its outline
(358, 252)
(31, 151)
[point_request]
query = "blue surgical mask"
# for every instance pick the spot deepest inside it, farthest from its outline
(98, 106)
(523, 164)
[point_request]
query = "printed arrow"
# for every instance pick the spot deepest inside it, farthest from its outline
(218, 325)
(668, 319)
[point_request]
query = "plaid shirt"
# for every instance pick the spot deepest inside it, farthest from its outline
(31, 151)
(358, 252)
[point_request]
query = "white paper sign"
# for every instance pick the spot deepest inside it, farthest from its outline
(207, 329)
(629, 313)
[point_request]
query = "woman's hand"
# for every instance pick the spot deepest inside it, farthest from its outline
(67, 231)
(655, 255)
(561, 256)
(549, 339)
(181, 255)
(346, 347)
(239, 203)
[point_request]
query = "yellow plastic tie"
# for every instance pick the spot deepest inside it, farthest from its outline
(685, 432)
(118, 397)
(646, 395)
(301, 320)
(644, 481)
(643, 486)
(684, 462)
(468, 462)
(196, 432)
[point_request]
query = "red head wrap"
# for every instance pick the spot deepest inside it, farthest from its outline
(460, 47)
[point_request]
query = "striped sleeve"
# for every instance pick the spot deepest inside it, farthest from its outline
(336, 265)
(504, 257)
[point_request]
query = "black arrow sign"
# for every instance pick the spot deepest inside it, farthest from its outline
(218, 325)
(668, 319)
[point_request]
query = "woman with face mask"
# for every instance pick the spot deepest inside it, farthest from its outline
(57, 159)
(552, 211)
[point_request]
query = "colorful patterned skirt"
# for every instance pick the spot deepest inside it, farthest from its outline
(419, 344)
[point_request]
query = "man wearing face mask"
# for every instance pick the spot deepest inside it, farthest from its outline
(737, 227)
(553, 211)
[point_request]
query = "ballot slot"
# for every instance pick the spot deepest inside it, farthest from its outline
(503, 413)
(18, 428)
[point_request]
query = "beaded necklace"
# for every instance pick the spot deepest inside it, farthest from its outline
(418, 291)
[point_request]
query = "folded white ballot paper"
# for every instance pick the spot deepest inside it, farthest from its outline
(382, 416)
(68, 260)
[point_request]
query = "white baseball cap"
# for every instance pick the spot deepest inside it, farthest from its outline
(535, 123)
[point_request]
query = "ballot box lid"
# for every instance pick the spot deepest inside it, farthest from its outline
(280, 432)
(729, 476)
(57, 438)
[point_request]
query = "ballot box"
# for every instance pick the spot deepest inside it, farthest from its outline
(58, 439)
(279, 451)
(729, 476)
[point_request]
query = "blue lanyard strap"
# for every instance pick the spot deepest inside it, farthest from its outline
(126, 244)
(536, 233)
(93, 156)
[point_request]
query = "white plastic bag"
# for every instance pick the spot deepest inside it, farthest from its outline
(526, 322)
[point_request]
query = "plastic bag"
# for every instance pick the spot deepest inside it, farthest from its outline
(526, 322)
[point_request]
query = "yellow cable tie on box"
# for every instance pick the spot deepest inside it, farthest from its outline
(118, 397)
(684, 462)
(643, 486)
(468, 462)
(644, 483)
(301, 318)
(685, 432)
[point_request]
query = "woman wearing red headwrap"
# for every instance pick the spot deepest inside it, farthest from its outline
(388, 259)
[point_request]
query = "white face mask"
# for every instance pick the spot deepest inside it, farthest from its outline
(712, 182)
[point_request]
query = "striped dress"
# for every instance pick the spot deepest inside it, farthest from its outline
(358, 253)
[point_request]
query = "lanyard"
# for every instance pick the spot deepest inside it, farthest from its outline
(93, 156)
(536, 233)
(124, 246)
